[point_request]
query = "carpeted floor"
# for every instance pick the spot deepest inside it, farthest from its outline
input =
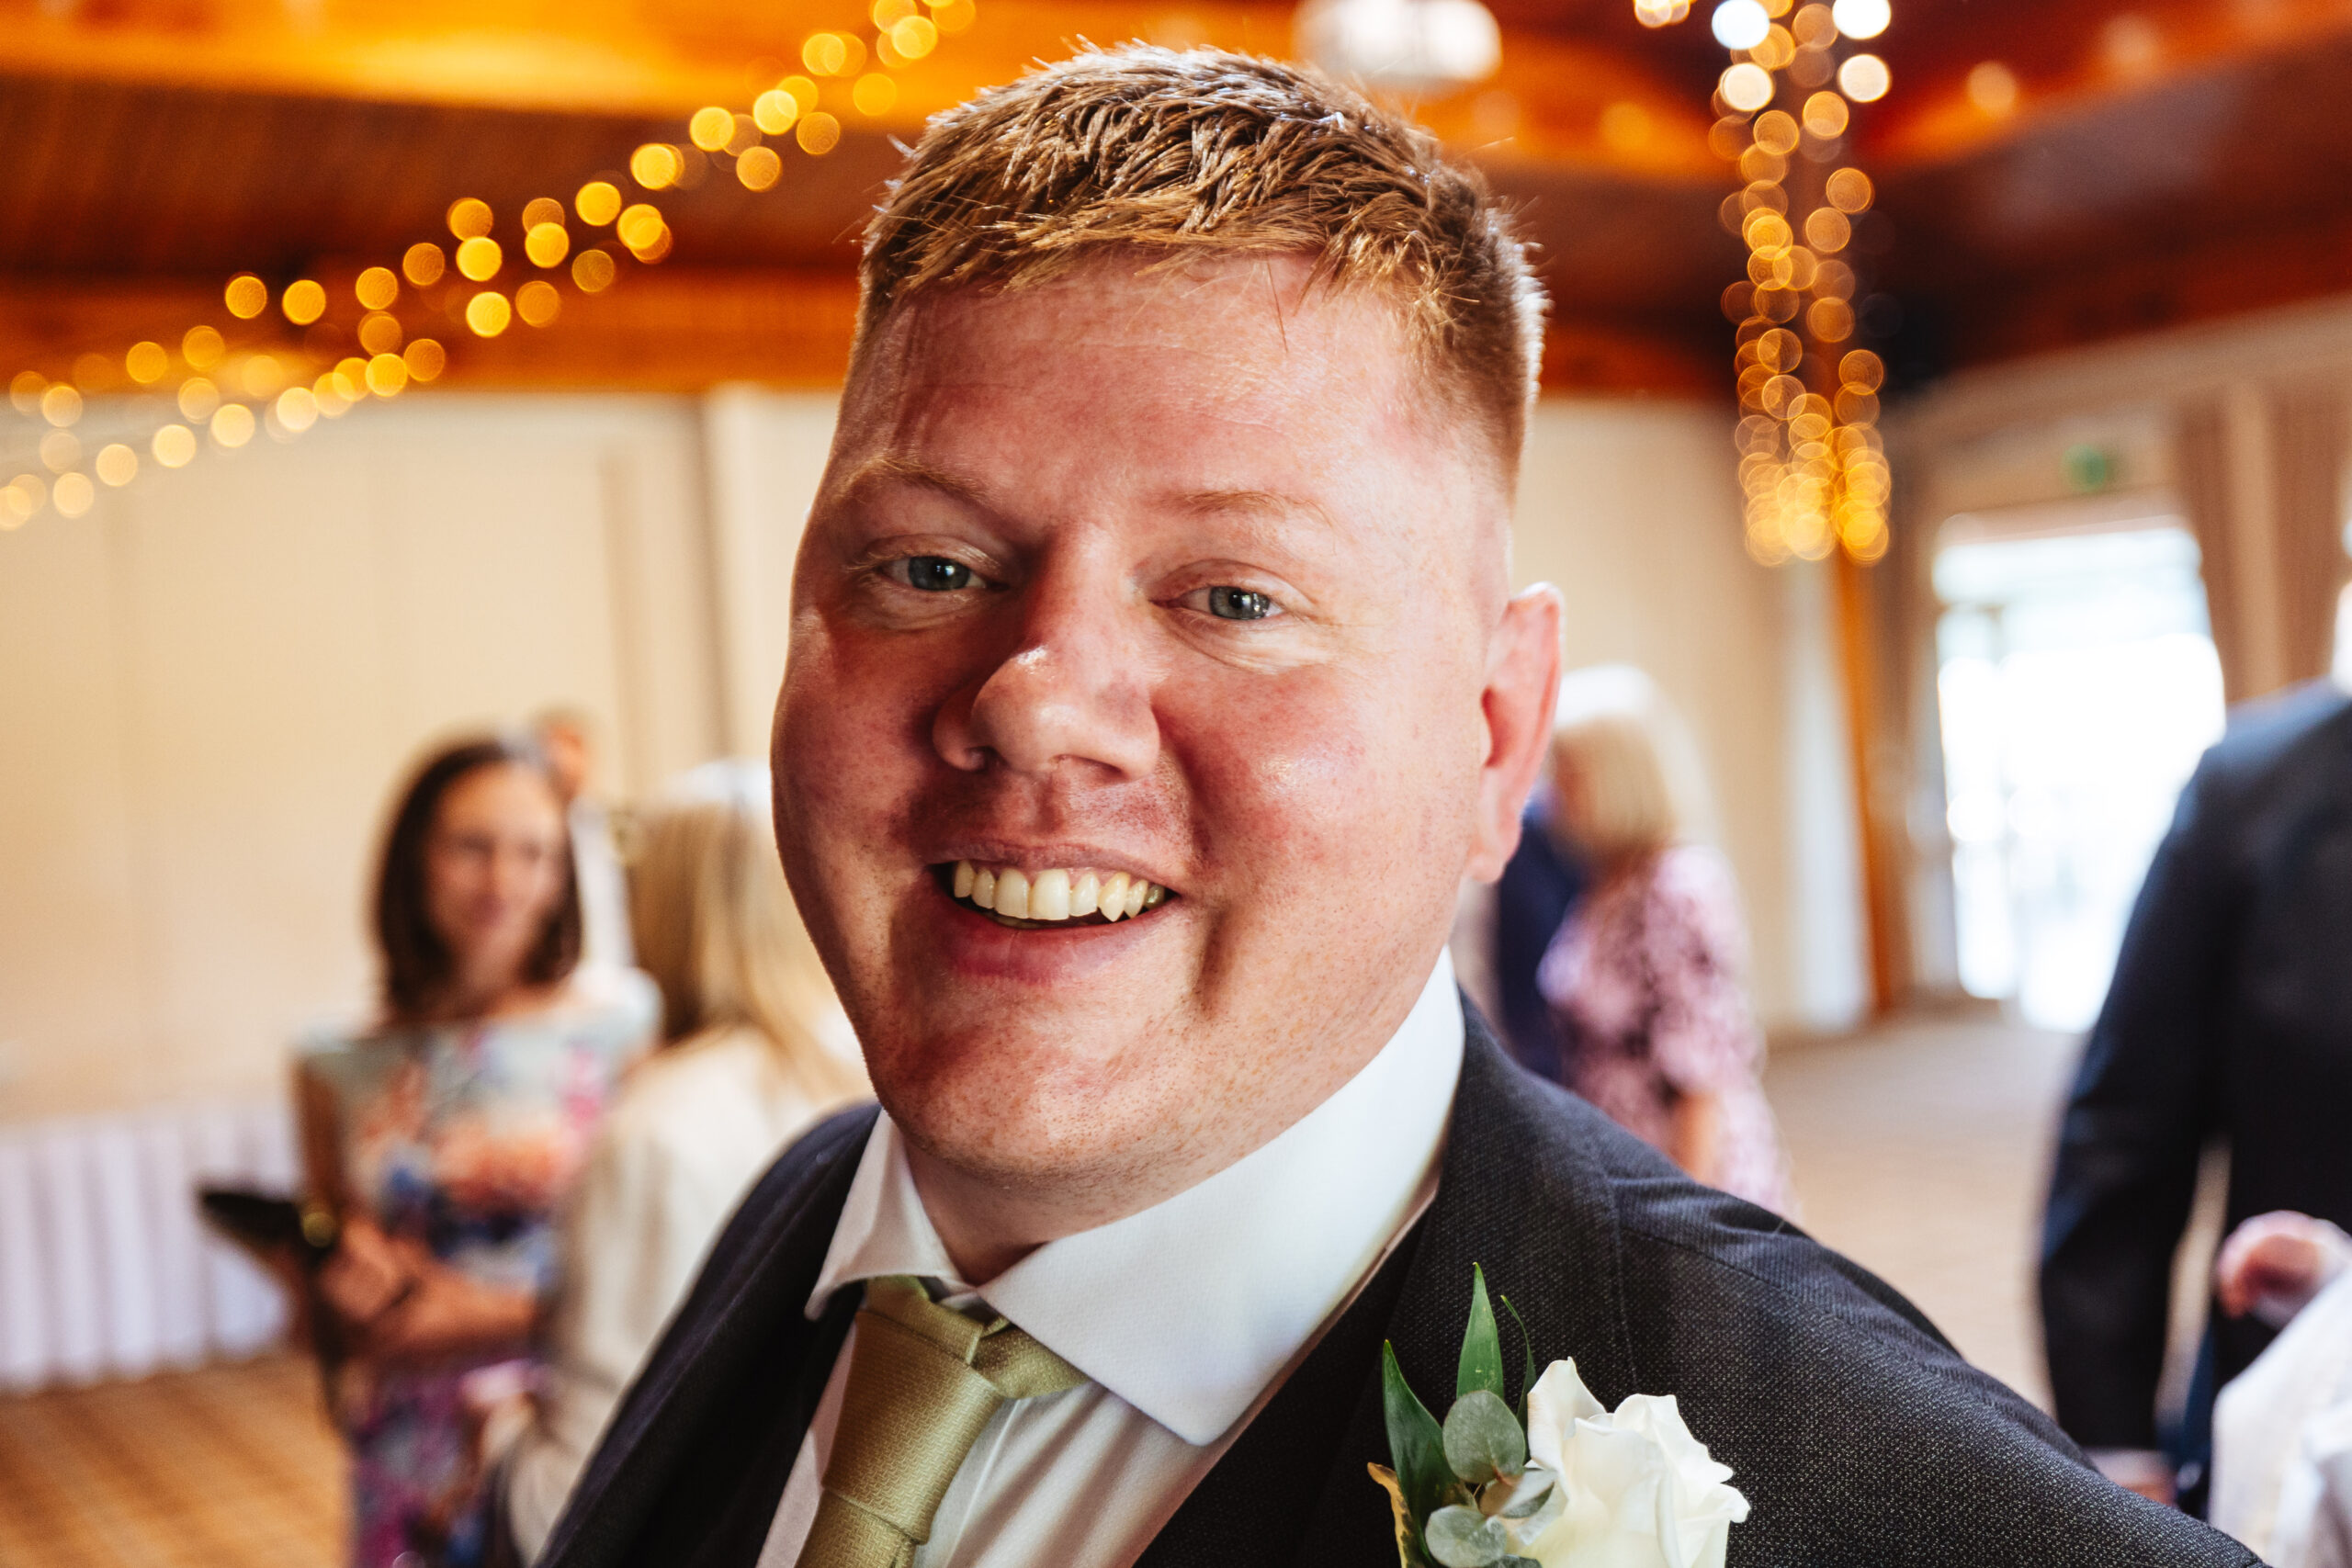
(1919, 1148)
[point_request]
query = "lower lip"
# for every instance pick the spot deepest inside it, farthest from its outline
(976, 947)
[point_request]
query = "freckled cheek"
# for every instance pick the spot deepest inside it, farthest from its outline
(853, 739)
(1288, 782)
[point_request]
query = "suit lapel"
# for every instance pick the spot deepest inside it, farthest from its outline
(1516, 1194)
(696, 1459)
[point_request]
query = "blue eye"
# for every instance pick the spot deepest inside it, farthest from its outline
(1239, 604)
(937, 574)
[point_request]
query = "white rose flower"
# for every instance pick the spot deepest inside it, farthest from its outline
(1632, 1489)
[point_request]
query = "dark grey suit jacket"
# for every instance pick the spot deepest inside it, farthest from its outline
(1859, 1437)
(2229, 1019)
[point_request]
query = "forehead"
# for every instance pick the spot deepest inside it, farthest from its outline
(1243, 347)
(495, 789)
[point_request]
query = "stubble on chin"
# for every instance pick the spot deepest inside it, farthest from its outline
(1029, 1118)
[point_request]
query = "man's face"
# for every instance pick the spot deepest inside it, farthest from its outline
(1174, 578)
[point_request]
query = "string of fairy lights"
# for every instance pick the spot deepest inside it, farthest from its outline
(1813, 466)
(372, 333)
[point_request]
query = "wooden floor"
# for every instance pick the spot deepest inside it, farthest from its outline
(226, 1467)
(1919, 1148)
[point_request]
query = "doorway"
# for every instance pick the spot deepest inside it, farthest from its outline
(2078, 685)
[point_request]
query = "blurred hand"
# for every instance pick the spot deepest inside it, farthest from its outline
(2274, 1264)
(366, 1275)
(397, 1302)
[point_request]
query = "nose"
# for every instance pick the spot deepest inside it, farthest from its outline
(1074, 698)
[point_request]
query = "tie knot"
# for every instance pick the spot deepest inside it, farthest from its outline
(1009, 1358)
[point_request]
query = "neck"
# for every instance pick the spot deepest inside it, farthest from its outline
(483, 986)
(985, 1228)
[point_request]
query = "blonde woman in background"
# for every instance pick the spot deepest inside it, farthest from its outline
(1645, 977)
(755, 1050)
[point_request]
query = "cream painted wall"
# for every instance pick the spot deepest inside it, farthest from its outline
(218, 675)
(1632, 508)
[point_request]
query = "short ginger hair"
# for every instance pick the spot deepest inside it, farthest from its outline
(1202, 153)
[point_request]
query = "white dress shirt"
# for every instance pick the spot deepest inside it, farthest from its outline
(1184, 1318)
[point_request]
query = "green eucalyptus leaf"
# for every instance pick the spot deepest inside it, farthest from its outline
(1464, 1538)
(1482, 1349)
(1416, 1442)
(1527, 1352)
(1483, 1439)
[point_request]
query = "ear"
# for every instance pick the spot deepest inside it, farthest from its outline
(1523, 685)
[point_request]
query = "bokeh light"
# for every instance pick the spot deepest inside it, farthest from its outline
(470, 217)
(73, 494)
(376, 288)
(387, 375)
(598, 203)
(1864, 78)
(380, 334)
(147, 363)
(537, 302)
(546, 244)
(656, 166)
(774, 112)
(174, 446)
(1862, 19)
(758, 169)
(488, 313)
(246, 296)
(427, 359)
(817, 134)
(232, 425)
(298, 408)
(710, 128)
(479, 258)
(1745, 86)
(592, 271)
(304, 301)
(199, 399)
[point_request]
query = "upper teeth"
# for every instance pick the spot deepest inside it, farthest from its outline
(1054, 895)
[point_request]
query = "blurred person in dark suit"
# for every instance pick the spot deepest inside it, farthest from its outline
(2230, 1020)
(1502, 932)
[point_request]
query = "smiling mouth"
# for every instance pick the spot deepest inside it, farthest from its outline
(1012, 897)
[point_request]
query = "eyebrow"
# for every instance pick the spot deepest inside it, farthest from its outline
(1265, 503)
(910, 471)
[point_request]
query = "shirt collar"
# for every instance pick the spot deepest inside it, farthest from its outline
(1188, 1310)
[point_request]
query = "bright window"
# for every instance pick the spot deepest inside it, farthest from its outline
(2078, 684)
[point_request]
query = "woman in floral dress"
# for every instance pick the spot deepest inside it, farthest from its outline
(1645, 977)
(441, 1141)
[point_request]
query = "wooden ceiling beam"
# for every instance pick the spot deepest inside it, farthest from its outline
(1555, 99)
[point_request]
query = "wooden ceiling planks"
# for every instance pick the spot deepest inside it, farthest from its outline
(158, 145)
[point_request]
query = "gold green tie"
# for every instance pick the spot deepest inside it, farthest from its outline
(923, 1380)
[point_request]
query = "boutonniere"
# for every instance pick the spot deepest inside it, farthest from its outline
(1558, 1482)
